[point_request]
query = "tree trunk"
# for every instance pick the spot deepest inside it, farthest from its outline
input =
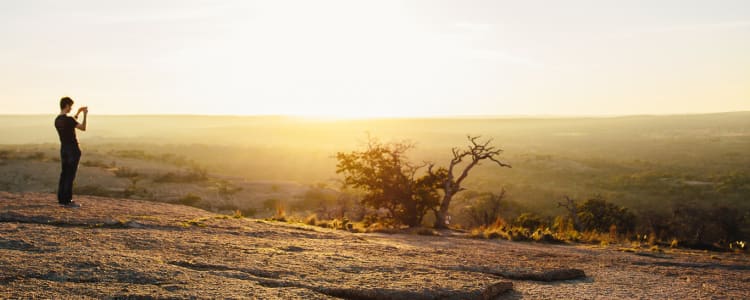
(443, 211)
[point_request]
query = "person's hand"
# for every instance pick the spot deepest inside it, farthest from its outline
(84, 109)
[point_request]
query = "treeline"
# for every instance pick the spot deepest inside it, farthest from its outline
(395, 192)
(599, 220)
(496, 215)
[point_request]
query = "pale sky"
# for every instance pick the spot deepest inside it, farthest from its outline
(376, 58)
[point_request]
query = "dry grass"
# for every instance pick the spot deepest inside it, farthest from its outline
(502, 230)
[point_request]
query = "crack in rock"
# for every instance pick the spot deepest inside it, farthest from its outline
(546, 276)
(212, 267)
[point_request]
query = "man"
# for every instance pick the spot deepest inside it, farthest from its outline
(70, 154)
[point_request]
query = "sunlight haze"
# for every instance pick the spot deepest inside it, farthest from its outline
(376, 58)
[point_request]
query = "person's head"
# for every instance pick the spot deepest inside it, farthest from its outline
(66, 104)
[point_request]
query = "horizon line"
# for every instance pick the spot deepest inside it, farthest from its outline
(459, 116)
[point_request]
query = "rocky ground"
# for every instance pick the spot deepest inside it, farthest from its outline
(129, 249)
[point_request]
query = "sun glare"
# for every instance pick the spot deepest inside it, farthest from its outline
(360, 64)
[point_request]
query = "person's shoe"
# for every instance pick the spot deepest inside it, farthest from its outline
(71, 204)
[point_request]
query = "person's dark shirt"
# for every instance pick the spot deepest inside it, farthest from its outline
(66, 129)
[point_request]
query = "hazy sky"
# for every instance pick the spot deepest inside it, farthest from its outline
(376, 58)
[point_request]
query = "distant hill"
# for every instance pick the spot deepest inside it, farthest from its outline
(258, 130)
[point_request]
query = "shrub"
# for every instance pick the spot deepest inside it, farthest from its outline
(340, 224)
(280, 214)
(519, 234)
(701, 227)
(496, 234)
(738, 245)
(593, 236)
(476, 232)
(570, 235)
(193, 175)
(311, 220)
(598, 214)
(529, 220)
(544, 236)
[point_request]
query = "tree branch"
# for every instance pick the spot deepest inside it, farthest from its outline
(502, 164)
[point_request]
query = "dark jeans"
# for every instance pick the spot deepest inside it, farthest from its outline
(69, 157)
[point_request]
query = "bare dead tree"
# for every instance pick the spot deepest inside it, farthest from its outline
(572, 207)
(450, 184)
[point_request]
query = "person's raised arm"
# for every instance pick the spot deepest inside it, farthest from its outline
(82, 125)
